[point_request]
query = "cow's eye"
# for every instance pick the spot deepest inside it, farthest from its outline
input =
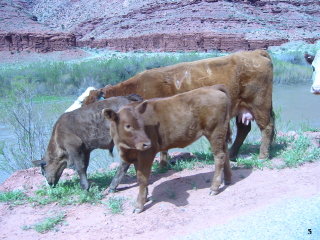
(313, 68)
(127, 127)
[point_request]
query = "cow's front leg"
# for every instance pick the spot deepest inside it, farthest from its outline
(143, 166)
(122, 169)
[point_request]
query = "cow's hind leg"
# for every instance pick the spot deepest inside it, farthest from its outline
(267, 131)
(163, 159)
(122, 169)
(242, 133)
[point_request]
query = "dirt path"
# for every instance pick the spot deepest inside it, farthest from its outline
(181, 205)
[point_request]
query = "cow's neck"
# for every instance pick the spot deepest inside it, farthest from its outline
(122, 89)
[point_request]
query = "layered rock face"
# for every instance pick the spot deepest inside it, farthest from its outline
(162, 25)
(20, 30)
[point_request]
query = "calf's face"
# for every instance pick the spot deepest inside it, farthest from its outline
(52, 169)
(127, 127)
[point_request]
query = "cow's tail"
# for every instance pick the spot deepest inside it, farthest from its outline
(274, 131)
(229, 134)
(111, 149)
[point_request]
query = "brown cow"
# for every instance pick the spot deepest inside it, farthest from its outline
(141, 130)
(75, 135)
(247, 75)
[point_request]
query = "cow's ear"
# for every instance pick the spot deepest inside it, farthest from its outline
(110, 114)
(142, 107)
(38, 162)
(309, 58)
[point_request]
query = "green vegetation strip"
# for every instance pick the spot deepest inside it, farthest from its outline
(291, 152)
(47, 224)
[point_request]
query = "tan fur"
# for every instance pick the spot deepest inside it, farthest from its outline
(141, 130)
(247, 75)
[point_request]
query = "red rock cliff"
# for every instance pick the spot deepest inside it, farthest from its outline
(164, 25)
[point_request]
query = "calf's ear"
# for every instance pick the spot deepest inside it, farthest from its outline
(110, 114)
(142, 107)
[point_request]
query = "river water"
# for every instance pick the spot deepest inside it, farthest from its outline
(295, 108)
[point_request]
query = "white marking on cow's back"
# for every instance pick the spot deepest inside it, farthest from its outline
(209, 71)
(77, 103)
(178, 83)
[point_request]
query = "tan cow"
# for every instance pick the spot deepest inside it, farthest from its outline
(247, 75)
(140, 131)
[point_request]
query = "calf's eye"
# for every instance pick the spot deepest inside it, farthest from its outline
(127, 127)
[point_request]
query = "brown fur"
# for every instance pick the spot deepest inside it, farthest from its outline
(75, 135)
(247, 75)
(141, 130)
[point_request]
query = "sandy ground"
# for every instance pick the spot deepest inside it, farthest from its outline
(180, 206)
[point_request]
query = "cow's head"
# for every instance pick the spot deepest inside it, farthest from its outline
(127, 127)
(314, 61)
(94, 96)
(52, 168)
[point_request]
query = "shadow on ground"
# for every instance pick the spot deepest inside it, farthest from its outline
(175, 191)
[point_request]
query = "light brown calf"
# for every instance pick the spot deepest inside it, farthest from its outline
(140, 131)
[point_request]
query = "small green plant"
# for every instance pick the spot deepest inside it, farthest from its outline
(47, 224)
(300, 151)
(66, 193)
(69, 192)
(15, 197)
(252, 162)
(115, 204)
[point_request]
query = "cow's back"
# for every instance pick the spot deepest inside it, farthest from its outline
(245, 74)
(89, 124)
(196, 111)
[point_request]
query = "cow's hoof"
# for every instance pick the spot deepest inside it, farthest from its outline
(263, 156)
(213, 192)
(84, 185)
(111, 190)
(137, 210)
(227, 182)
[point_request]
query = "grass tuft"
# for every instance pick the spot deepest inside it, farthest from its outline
(115, 204)
(300, 151)
(47, 224)
(16, 197)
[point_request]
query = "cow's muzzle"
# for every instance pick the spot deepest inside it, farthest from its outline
(143, 145)
(315, 89)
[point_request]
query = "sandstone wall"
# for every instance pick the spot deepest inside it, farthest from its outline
(38, 42)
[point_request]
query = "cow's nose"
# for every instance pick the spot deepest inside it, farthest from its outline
(143, 145)
(146, 145)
